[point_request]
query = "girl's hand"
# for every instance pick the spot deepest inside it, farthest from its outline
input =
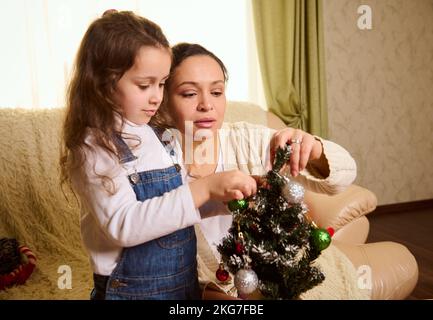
(223, 186)
(304, 148)
(231, 185)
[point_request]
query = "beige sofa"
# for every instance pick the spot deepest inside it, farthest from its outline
(34, 210)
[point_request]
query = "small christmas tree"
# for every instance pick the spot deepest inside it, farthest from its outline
(272, 242)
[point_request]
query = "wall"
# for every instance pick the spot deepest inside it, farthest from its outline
(380, 94)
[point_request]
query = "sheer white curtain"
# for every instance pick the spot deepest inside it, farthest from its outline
(40, 39)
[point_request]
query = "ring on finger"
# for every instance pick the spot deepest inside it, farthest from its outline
(296, 141)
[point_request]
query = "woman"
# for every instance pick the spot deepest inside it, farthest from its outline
(195, 104)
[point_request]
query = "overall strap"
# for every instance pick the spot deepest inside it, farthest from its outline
(126, 155)
(124, 152)
(159, 132)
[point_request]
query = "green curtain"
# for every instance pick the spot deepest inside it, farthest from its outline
(291, 54)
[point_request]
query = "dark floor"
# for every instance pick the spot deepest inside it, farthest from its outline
(414, 229)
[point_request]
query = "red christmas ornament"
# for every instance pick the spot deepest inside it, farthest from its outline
(331, 231)
(22, 272)
(239, 248)
(222, 274)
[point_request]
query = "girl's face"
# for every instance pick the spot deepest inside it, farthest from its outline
(197, 94)
(140, 90)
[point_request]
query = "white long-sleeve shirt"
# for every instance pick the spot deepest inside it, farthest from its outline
(112, 222)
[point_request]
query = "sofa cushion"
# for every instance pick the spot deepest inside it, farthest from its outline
(252, 113)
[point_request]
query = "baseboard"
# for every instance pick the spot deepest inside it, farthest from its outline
(404, 206)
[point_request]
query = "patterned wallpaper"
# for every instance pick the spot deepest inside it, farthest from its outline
(380, 94)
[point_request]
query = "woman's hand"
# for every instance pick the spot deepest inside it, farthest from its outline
(304, 148)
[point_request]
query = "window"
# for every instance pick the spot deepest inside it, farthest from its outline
(40, 39)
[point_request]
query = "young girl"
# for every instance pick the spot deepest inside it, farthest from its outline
(137, 217)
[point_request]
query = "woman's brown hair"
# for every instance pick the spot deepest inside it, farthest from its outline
(108, 49)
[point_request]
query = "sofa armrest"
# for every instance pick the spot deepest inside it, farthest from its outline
(355, 232)
(338, 210)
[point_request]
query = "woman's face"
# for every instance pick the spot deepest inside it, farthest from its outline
(197, 94)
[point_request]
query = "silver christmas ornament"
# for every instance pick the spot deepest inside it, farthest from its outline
(246, 281)
(292, 191)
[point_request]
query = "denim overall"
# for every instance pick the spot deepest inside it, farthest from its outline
(164, 268)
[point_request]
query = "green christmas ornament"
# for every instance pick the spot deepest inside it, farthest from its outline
(238, 205)
(321, 239)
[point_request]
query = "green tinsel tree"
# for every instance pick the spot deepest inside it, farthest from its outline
(272, 236)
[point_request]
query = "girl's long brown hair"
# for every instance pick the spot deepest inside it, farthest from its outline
(108, 49)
